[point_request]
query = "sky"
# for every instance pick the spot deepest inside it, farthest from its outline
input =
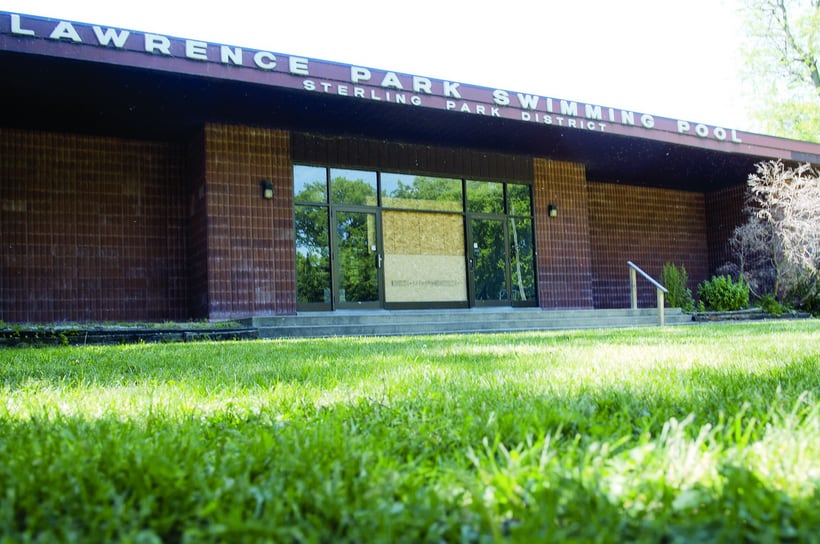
(667, 58)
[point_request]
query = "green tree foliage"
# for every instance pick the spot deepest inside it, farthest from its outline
(783, 65)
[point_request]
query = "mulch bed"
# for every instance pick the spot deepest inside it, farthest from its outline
(746, 315)
(78, 335)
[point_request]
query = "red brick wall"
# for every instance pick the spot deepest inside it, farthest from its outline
(648, 227)
(724, 212)
(562, 243)
(91, 229)
(249, 242)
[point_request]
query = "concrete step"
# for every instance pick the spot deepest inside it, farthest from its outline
(417, 322)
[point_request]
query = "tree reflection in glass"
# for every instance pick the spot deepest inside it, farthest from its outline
(519, 203)
(358, 273)
(353, 187)
(312, 254)
(522, 269)
(421, 193)
(490, 265)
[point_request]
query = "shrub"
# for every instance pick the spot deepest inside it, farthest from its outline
(679, 295)
(805, 294)
(770, 305)
(724, 295)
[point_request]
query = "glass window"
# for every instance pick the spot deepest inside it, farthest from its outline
(353, 187)
(485, 197)
(522, 265)
(421, 193)
(312, 255)
(520, 199)
(309, 183)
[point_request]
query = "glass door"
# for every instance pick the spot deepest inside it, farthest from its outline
(358, 259)
(489, 262)
(501, 262)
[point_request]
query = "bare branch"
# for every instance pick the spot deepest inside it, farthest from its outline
(780, 242)
(803, 57)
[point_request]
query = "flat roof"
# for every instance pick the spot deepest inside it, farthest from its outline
(85, 77)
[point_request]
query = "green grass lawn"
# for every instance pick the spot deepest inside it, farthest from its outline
(682, 434)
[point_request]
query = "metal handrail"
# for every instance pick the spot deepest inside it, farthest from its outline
(660, 290)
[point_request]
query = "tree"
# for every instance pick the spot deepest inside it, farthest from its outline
(783, 65)
(778, 248)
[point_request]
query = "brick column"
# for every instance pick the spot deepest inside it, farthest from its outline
(249, 240)
(562, 242)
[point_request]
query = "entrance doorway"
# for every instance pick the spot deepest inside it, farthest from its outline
(371, 240)
(358, 258)
(489, 271)
(501, 262)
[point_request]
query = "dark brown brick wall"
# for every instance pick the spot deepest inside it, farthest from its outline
(648, 227)
(419, 159)
(197, 227)
(96, 228)
(249, 241)
(724, 212)
(91, 229)
(562, 243)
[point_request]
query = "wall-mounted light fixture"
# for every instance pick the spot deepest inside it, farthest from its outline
(552, 210)
(267, 189)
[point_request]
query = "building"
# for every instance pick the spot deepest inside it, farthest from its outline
(150, 177)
